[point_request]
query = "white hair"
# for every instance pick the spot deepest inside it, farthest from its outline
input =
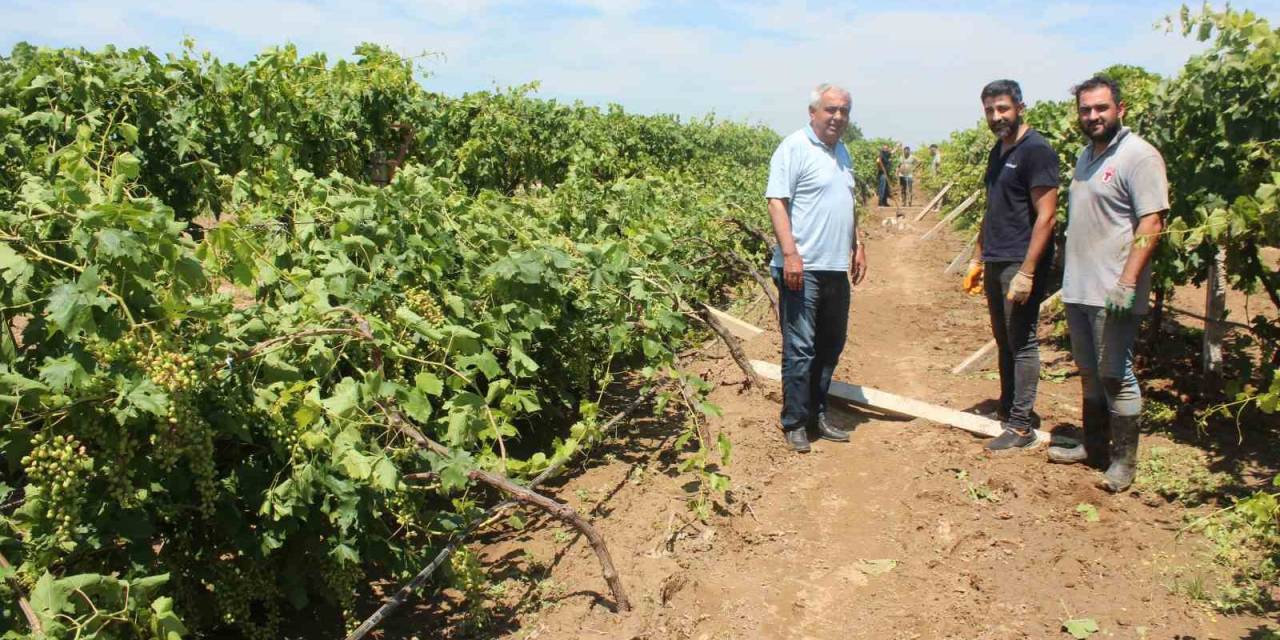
(815, 96)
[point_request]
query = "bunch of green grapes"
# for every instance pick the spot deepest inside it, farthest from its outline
(60, 470)
(119, 470)
(342, 580)
(185, 434)
(287, 435)
(425, 305)
(110, 352)
(173, 370)
(238, 587)
(401, 507)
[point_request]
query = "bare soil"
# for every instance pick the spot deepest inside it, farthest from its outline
(909, 531)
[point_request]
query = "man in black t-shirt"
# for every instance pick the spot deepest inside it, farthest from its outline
(1013, 254)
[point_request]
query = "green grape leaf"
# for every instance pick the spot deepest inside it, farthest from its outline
(1080, 628)
(1087, 511)
(63, 373)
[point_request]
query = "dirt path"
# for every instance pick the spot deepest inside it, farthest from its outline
(910, 531)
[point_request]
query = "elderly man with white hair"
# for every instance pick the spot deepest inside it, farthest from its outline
(811, 205)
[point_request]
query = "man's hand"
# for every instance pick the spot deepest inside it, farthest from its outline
(858, 268)
(793, 271)
(1020, 287)
(973, 279)
(1120, 299)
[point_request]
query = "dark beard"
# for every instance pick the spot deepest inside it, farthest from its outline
(1004, 129)
(1108, 133)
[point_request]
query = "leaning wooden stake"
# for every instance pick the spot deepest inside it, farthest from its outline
(954, 213)
(989, 349)
(934, 202)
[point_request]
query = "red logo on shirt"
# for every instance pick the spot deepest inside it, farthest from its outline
(1108, 175)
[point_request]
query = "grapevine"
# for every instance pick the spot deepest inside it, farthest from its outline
(219, 309)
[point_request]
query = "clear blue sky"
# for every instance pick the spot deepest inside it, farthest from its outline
(914, 67)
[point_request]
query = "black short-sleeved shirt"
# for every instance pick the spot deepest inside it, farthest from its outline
(886, 159)
(1010, 177)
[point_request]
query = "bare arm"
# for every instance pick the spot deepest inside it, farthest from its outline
(1045, 201)
(792, 265)
(1145, 238)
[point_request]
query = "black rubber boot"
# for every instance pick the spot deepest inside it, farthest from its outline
(1097, 434)
(1124, 454)
(1095, 451)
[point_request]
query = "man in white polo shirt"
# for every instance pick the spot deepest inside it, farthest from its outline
(810, 196)
(1119, 195)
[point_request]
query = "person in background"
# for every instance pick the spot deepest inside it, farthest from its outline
(884, 162)
(1115, 213)
(935, 159)
(810, 196)
(1013, 255)
(906, 169)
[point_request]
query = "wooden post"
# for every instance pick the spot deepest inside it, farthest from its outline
(934, 202)
(954, 213)
(960, 258)
(1215, 303)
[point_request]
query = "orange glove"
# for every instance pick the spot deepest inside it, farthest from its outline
(973, 280)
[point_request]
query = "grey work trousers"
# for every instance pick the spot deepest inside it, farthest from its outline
(1102, 345)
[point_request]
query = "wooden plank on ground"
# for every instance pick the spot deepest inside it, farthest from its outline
(934, 202)
(989, 349)
(951, 216)
(741, 330)
(893, 403)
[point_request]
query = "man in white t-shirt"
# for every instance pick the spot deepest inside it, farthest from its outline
(811, 205)
(1119, 195)
(906, 176)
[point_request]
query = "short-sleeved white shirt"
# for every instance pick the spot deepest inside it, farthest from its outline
(816, 180)
(1109, 194)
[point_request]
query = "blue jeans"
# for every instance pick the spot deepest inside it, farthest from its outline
(882, 190)
(1102, 346)
(1014, 328)
(814, 326)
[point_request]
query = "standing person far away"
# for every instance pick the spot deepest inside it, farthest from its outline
(1013, 255)
(1119, 195)
(884, 162)
(811, 205)
(906, 166)
(935, 159)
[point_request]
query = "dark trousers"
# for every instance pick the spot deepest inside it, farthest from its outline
(1014, 327)
(882, 190)
(814, 325)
